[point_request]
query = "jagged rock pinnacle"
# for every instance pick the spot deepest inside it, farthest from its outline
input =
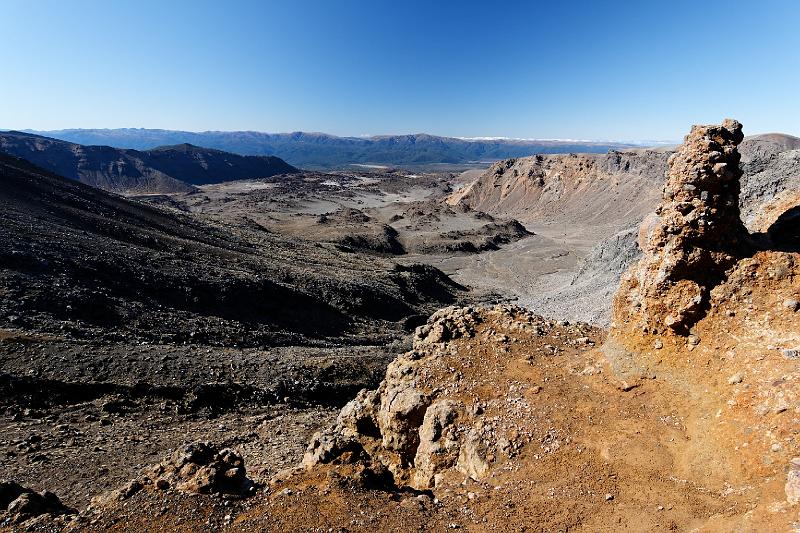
(694, 235)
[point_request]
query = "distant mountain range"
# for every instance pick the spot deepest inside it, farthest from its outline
(322, 151)
(165, 169)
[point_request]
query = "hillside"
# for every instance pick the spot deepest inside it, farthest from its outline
(595, 190)
(771, 182)
(96, 261)
(161, 170)
(322, 151)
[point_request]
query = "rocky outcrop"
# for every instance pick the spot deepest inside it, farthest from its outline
(770, 190)
(705, 286)
(694, 236)
(19, 504)
(402, 423)
(414, 425)
(447, 324)
(197, 468)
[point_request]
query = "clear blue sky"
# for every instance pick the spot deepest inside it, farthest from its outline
(557, 69)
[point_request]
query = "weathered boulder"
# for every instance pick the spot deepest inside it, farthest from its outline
(18, 504)
(792, 487)
(197, 468)
(473, 456)
(201, 469)
(357, 420)
(402, 409)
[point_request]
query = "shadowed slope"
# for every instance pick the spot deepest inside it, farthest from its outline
(162, 170)
(74, 256)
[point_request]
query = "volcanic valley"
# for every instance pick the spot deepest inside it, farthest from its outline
(194, 340)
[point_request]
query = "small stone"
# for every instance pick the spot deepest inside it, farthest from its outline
(792, 487)
(129, 489)
(734, 379)
(790, 353)
(762, 409)
(720, 168)
(658, 344)
(776, 447)
(693, 340)
(791, 304)
(609, 497)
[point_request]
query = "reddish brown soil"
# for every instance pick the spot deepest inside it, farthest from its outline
(594, 453)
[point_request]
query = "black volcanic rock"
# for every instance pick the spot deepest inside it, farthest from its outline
(82, 262)
(18, 503)
(161, 170)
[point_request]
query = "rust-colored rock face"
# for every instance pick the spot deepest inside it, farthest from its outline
(693, 237)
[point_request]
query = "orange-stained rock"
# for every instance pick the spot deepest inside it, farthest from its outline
(693, 237)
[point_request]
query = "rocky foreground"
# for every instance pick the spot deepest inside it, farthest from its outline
(683, 417)
(501, 420)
